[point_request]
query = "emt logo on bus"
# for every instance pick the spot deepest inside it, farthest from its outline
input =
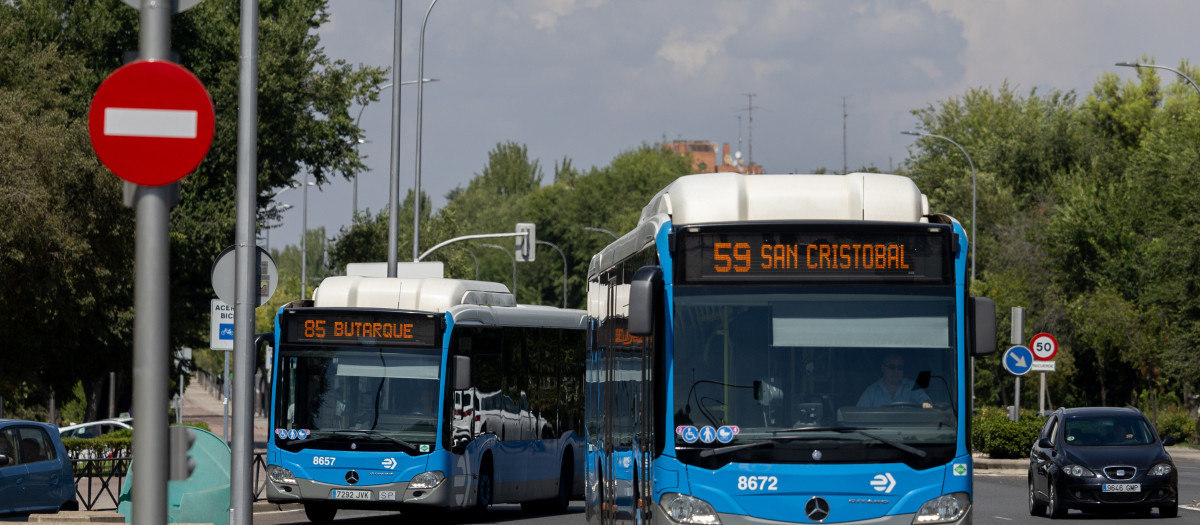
(882, 254)
(309, 326)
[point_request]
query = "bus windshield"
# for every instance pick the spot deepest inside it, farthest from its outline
(804, 374)
(354, 396)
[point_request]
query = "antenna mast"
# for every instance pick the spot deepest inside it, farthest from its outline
(845, 167)
(750, 107)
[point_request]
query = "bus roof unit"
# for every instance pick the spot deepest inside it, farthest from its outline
(424, 295)
(729, 197)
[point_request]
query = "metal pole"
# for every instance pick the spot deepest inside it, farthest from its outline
(246, 279)
(112, 396)
(225, 397)
(514, 263)
(394, 169)
(1017, 337)
(151, 336)
(601, 230)
(564, 258)
(1173, 70)
(304, 240)
(416, 250)
(974, 193)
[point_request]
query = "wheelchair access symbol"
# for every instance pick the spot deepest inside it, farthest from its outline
(1018, 360)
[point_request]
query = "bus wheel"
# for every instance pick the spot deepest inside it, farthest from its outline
(483, 494)
(319, 512)
(557, 504)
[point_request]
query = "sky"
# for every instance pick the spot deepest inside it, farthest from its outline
(794, 85)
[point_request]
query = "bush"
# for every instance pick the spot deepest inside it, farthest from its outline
(1178, 424)
(112, 445)
(1000, 438)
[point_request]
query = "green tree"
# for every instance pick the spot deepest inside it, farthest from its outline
(55, 53)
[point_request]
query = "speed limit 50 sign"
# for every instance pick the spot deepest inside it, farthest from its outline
(1044, 346)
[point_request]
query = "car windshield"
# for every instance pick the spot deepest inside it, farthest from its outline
(1107, 431)
(771, 373)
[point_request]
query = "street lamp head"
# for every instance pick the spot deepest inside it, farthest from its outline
(1129, 64)
(913, 133)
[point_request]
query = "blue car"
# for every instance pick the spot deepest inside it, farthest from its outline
(35, 472)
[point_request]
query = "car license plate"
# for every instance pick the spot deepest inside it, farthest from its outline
(1122, 487)
(351, 494)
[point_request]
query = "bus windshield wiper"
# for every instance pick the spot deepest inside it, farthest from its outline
(378, 435)
(708, 452)
(862, 432)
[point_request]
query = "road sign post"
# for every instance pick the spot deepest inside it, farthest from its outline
(139, 116)
(1044, 347)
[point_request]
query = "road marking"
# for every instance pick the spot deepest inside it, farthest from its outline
(1002, 518)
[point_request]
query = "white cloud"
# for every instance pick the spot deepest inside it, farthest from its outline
(689, 53)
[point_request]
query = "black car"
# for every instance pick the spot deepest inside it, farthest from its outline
(1101, 459)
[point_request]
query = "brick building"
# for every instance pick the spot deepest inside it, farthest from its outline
(705, 160)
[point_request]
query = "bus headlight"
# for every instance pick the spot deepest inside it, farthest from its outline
(426, 480)
(686, 509)
(279, 474)
(944, 509)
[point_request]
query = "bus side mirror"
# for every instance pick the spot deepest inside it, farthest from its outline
(982, 315)
(462, 372)
(643, 295)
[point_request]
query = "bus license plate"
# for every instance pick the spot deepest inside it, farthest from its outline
(351, 494)
(1122, 487)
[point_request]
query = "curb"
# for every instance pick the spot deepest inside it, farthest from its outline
(266, 506)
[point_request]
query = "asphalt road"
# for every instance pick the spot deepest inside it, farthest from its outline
(999, 500)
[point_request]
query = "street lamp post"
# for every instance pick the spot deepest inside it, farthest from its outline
(1156, 66)
(354, 198)
(600, 230)
(564, 258)
(974, 194)
(304, 238)
(416, 250)
(476, 259)
(514, 263)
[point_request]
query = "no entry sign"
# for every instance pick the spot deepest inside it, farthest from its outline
(151, 122)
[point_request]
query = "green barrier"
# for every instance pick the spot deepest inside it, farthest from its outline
(201, 498)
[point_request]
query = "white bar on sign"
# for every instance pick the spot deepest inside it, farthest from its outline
(1042, 366)
(136, 122)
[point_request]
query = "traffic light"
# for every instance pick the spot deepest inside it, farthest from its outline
(180, 461)
(526, 243)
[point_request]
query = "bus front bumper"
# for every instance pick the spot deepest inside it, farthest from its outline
(349, 496)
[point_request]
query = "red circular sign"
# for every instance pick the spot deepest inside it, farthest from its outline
(151, 122)
(1043, 346)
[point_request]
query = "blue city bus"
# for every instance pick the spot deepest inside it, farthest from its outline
(425, 394)
(775, 349)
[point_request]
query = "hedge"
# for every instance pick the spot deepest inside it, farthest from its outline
(114, 444)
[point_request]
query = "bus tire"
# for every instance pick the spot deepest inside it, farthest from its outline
(483, 491)
(560, 503)
(319, 512)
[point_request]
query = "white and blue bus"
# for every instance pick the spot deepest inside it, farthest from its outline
(424, 394)
(774, 349)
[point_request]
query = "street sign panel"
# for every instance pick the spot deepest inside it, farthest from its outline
(1044, 346)
(1042, 366)
(151, 122)
(1018, 360)
(224, 275)
(221, 332)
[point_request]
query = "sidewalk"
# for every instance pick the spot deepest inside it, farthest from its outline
(200, 405)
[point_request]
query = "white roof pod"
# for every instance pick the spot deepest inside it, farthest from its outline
(712, 198)
(731, 197)
(424, 295)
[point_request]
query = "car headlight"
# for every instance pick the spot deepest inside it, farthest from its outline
(279, 474)
(1161, 469)
(1078, 471)
(687, 509)
(426, 480)
(944, 509)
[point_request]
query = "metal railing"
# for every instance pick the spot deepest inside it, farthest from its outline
(98, 482)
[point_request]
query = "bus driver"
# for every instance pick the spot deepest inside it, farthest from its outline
(893, 387)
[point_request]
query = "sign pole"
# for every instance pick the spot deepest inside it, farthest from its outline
(247, 277)
(1018, 328)
(151, 337)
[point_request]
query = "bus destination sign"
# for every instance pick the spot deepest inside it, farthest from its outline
(360, 327)
(852, 255)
